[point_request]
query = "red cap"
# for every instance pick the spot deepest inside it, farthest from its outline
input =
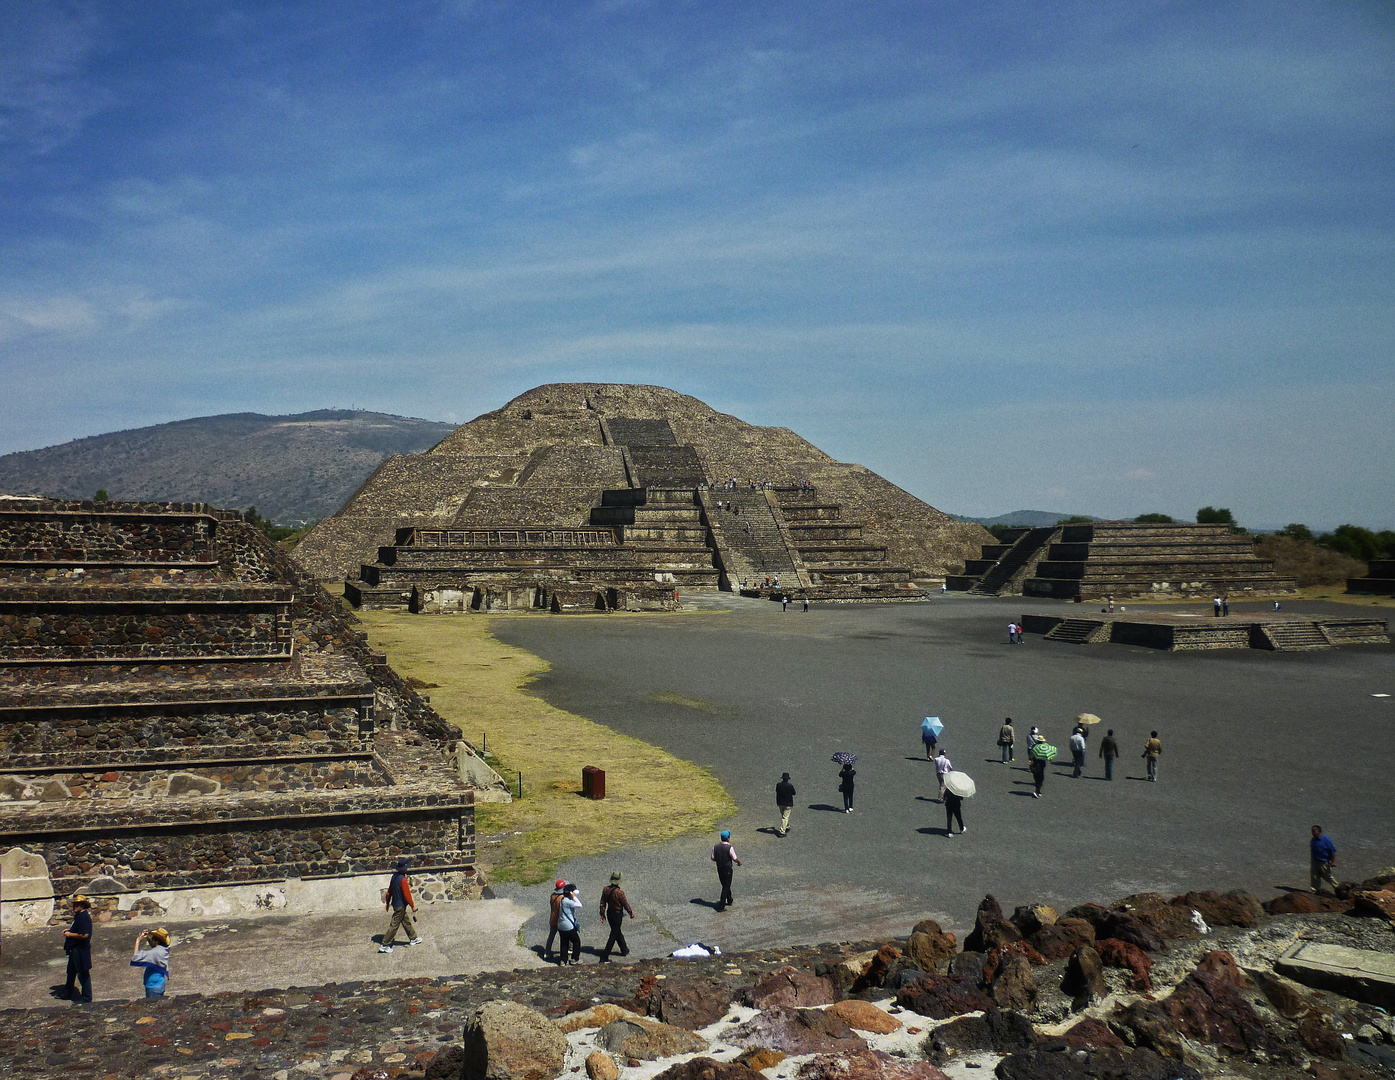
(560, 883)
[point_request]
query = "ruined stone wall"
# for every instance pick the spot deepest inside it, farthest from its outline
(209, 623)
(170, 779)
(80, 536)
(98, 735)
(252, 838)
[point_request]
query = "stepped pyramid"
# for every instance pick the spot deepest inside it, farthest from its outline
(1123, 559)
(590, 493)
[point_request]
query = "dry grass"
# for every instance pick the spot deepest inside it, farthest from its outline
(480, 684)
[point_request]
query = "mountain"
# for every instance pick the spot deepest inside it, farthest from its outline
(293, 469)
(1024, 518)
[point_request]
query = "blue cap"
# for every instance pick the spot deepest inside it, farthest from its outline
(726, 835)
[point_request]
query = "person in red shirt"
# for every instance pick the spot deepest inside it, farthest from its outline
(399, 900)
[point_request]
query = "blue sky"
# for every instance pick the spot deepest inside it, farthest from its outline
(1103, 258)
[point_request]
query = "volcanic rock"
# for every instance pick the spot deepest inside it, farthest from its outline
(998, 1030)
(706, 1068)
(690, 1003)
(1301, 903)
(789, 986)
(601, 1066)
(1084, 977)
(1122, 954)
(876, 970)
(1370, 902)
(1013, 985)
(1029, 918)
(597, 1016)
(1235, 908)
(867, 1065)
(1320, 1038)
(796, 1031)
(968, 964)
(508, 1041)
(648, 1040)
(864, 1016)
(929, 945)
(760, 1058)
(1206, 1006)
(1068, 1064)
(990, 928)
(1130, 928)
(1166, 919)
(1063, 937)
(942, 996)
(1092, 1034)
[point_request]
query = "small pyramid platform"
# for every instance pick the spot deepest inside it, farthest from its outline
(586, 496)
(1123, 559)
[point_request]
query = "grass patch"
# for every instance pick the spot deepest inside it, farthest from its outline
(480, 684)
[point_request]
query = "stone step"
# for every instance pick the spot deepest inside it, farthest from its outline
(1076, 631)
(1295, 637)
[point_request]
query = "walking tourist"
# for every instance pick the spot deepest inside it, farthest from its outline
(1152, 750)
(954, 811)
(1216, 606)
(806, 603)
(1225, 605)
(846, 775)
(399, 899)
(784, 604)
(1077, 750)
(1038, 767)
(1012, 633)
(724, 855)
(784, 801)
(614, 905)
(77, 943)
(1037, 759)
(930, 739)
(569, 925)
(154, 959)
(1006, 738)
(943, 767)
(1109, 750)
(1324, 858)
(553, 903)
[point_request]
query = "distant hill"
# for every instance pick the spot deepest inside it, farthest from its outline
(1018, 519)
(293, 469)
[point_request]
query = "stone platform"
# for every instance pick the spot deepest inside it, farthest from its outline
(1183, 632)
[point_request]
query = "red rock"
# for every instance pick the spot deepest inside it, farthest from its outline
(1381, 904)
(1122, 954)
(942, 996)
(1091, 1033)
(993, 964)
(1236, 908)
(867, 1065)
(1062, 938)
(1301, 903)
(789, 986)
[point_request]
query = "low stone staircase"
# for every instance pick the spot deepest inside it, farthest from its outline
(1296, 637)
(1077, 631)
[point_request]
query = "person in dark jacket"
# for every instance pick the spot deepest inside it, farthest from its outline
(845, 785)
(614, 905)
(77, 943)
(1323, 853)
(399, 899)
(724, 855)
(1109, 750)
(784, 801)
(954, 811)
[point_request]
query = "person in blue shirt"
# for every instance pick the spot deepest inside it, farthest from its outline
(154, 960)
(1324, 853)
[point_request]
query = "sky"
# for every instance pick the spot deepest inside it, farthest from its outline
(1104, 258)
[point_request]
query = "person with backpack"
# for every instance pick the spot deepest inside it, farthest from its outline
(569, 925)
(399, 900)
(614, 905)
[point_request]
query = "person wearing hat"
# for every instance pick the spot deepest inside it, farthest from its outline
(724, 855)
(154, 958)
(553, 904)
(77, 943)
(784, 801)
(399, 899)
(613, 908)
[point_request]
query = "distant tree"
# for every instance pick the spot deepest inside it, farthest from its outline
(998, 531)
(1355, 541)
(1211, 515)
(101, 496)
(1297, 532)
(1154, 519)
(1075, 519)
(267, 526)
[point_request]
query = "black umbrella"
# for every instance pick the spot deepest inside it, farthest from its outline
(845, 757)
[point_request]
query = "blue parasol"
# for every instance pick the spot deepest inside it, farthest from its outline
(931, 727)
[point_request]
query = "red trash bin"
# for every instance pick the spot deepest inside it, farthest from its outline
(593, 782)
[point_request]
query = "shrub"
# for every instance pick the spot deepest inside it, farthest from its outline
(1154, 519)
(1306, 562)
